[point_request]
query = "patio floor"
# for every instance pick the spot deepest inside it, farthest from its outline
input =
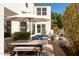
(50, 49)
(47, 51)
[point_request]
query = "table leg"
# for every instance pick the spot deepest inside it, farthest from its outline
(16, 53)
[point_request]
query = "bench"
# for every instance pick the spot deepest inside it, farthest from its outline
(27, 49)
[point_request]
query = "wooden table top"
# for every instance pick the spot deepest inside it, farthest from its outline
(30, 42)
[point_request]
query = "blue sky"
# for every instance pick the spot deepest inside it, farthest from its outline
(59, 7)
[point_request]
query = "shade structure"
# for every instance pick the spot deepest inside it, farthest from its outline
(27, 18)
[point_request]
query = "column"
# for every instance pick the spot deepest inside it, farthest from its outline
(35, 28)
(41, 28)
(31, 28)
(15, 26)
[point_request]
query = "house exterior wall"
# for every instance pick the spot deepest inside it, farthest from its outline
(15, 26)
(48, 26)
(16, 7)
(47, 23)
(48, 11)
(19, 7)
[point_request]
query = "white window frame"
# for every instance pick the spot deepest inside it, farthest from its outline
(44, 11)
(23, 27)
(41, 12)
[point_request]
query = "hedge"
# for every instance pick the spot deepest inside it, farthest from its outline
(21, 36)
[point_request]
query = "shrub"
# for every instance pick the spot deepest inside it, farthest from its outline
(44, 32)
(7, 34)
(21, 36)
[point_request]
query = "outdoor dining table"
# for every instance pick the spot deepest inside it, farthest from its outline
(30, 43)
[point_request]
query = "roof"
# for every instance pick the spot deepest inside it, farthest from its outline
(26, 17)
(42, 4)
(8, 12)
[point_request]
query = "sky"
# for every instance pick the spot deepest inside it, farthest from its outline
(59, 7)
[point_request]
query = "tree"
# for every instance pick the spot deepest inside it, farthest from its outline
(57, 18)
(56, 23)
(71, 23)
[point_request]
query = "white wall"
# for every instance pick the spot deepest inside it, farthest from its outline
(48, 11)
(15, 26)
(48, 27)
(48, 23)
(16, 7)
(30, 7)
(19, 7)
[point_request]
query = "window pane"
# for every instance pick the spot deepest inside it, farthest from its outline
(23, 27)
(8, 23)
(43, 29)
(43, 25)
(27, 5)
(23, 24)
(38, 9)
(44, 9)
(9, 30)
(43, 13)
(33, 28)
(8, 26)
(38, 28)
(38, 13)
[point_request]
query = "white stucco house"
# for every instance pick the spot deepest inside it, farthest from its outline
(39, 9)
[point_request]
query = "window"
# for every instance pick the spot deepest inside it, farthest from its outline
(9, 26)
(44, 10)
(38, 28)
(41, 11)
(43, 27)
(33, 28)
(23, 27)
(38, 11)
(27, 5)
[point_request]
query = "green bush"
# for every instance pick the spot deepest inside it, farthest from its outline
(21, 36)
(44, 32)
